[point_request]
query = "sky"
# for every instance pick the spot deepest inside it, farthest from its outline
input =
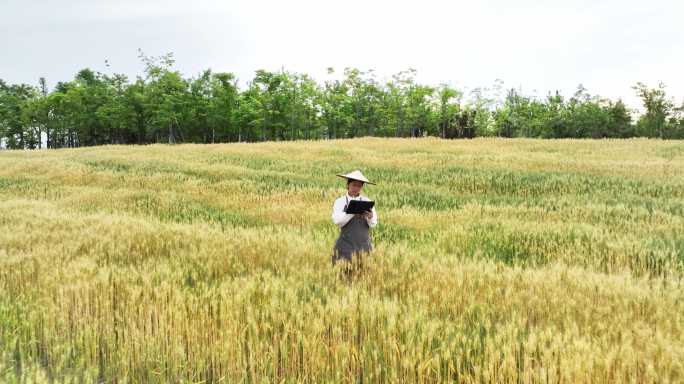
(536, 46)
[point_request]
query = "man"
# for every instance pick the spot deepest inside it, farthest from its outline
(354, 228)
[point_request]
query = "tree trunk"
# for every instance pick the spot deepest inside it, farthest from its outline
(172, 138)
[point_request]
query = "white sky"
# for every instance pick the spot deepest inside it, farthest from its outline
(607, 45)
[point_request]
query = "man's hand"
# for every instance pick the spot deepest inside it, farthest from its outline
(368, 215)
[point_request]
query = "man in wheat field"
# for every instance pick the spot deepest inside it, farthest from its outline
(354, 228)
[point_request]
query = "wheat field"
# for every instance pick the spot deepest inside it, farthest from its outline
(510, 261)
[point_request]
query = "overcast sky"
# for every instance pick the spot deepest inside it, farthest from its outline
(607, 45)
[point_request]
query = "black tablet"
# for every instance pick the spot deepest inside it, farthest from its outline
(359, 206)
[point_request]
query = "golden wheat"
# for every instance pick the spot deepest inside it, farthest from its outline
(495, 261)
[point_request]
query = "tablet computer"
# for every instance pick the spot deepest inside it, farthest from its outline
(359, 206)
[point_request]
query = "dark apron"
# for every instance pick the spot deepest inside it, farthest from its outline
(354, 237)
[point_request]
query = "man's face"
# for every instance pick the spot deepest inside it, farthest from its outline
(354, 187)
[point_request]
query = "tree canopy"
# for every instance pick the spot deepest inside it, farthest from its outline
(162, 105)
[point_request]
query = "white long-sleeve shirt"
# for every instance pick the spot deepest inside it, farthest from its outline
(340, 218)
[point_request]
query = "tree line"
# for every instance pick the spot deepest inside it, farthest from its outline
(164, 106)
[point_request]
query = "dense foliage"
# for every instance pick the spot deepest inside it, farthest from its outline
(164, 106)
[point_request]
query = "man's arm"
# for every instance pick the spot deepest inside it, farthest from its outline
(374, 220)
(339, 217)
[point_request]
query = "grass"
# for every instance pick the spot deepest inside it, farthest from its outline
(495, 261)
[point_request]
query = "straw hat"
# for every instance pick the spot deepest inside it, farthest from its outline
(356, 175)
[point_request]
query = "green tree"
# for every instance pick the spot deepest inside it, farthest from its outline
(16, 124)
(335, 106)
(223, 108)
(365, 98)
(167, 98)
(655, 122)
(449, 107)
